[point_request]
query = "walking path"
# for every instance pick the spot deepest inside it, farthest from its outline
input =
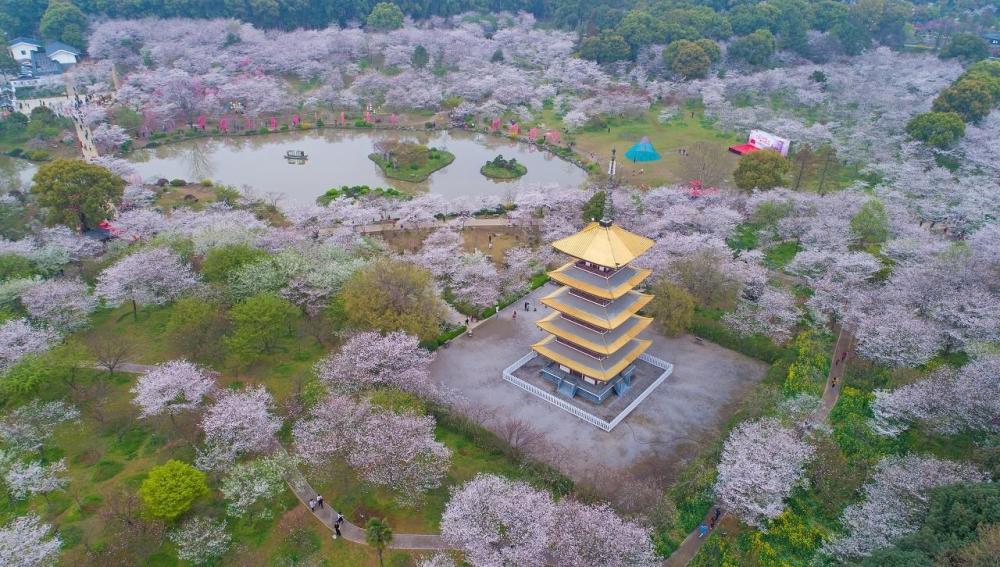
(831, 391)
(327, 515)
(83, 132)
(390, 226)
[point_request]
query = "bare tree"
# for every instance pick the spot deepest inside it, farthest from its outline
(110, 351)
(519, 435)
(705, 161)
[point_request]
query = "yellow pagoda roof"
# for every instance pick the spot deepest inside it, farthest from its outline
(601, 369)
(608, 316)
(604, 244)
(611, 287)
(605, 343)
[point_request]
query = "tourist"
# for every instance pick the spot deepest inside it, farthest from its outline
(514, 317)
(336, 531)
(319, 500)
(711, 524)
(312, 504)
(718, 512)
(702, 530)
(497, 309)
(339, 520)
(525, 306)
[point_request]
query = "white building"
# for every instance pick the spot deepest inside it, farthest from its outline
(26, 51)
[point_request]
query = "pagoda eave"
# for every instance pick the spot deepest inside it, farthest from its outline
(605, 343)
(603, 369)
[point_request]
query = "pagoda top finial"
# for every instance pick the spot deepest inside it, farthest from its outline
(609, 205)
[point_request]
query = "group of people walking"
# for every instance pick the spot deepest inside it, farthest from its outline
(317, 502)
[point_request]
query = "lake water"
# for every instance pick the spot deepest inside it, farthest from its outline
(338, 157)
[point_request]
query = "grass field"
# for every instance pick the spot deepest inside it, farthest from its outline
(438, 159)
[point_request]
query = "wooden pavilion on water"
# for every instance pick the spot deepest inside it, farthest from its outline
(593, 339)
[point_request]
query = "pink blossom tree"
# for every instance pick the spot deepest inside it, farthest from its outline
(895, 500)
(64, 304)
(370, 360)
(398, 451)
(19, 338)
(774, 314)
(140, 224)
(239, 423)
(149, 277)
(761, 463)
(325, 432)
(949, 402)
(108, 137)
(26, 542)
(25, 479)
(172, 388)
(496, 521)
(620, 543)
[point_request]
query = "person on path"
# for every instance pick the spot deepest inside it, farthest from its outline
(702, 530)
(319, 500)
(718, 513)
(336, 531)
(514, 317)
(497, 309)
(711, 524)
(312, 504)
(525, 306)
(339, 520)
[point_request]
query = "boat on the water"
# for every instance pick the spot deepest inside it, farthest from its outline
(296, 154)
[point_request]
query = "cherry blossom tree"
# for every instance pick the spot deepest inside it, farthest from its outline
(109, 138)
(774, 314)
(260, 480)
(437, 560)
(892, 334)
(26, 542)
(439, 252)
(620, 543)
(140, 224)
(761, 463)
(895, 500)
(149, 277)
(496, 521)
(950, 401)
(370, 360)
(27, 427)
(64, 304)
(325, 431)
(25, 479)
(201, 540)
(240, 422)
(398, 451)
(19, 338)
(476, 280)
(171, 388)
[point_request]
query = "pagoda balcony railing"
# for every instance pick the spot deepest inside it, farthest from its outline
(584, 324)
(587, 297)
(596, 270)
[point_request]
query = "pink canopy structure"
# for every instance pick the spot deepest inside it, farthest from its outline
(495, 124)
(223, 124)
(274, 123)
(201, 121)
(552, 137)
(343, 118)
(249, 123)
(368, 116)
(393, 119)
(532, 134)
(514, 130)
(296, 120)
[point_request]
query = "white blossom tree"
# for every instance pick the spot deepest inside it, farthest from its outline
(260, 480)
(895, 500)
(496, 521)
(238, 423)
(619, 542)
(949, 402)
(398, 451)
(110, 137)
(26, 542)
(25, 479)
(370, 360)
(201, 540)
(761, 463)
(27, 427)
(326, 431)
(774, 314)
(63, 304)
(149, 277)
(18, 338)
(171, 388)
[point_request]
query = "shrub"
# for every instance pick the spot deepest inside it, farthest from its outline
(37, 155)
(171, 488)
(178, 182)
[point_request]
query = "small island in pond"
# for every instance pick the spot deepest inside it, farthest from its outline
(407, 161)
(501, 168)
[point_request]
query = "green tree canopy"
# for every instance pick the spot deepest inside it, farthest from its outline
(687, 59)
(65, 22)
(640, 28)
(710, 48)
(755, 48)
(672, 307)
(195, 327)
(258, 324)
(420, 57)
(967, 47)
(870, 225)
(7, 64)
(171, 488)
(765, 169)
(971, 98)
(392, 295)
(593, 209)
(938, 129)
(385, 16)
(76, 193)
(221, 261)
(378, 534)
(605, 48)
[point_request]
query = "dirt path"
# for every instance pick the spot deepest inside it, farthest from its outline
(831, 392)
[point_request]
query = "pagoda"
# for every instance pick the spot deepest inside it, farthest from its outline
(592, 341)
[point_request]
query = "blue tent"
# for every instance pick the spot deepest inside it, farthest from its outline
(643, 151)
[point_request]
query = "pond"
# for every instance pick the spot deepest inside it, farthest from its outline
(338, 157)
(15, 174)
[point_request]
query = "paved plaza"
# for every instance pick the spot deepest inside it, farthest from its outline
(689, 405)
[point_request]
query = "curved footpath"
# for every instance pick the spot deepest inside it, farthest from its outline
(841, 349)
